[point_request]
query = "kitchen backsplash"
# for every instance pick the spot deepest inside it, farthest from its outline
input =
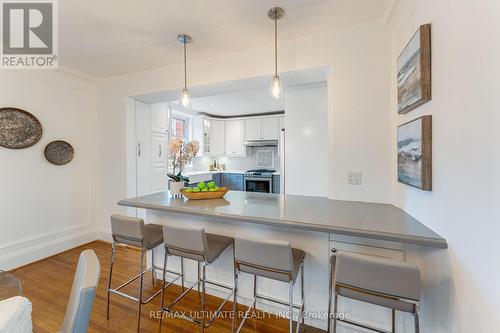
(239, 163)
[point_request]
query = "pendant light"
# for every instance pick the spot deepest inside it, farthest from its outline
(276, 89)
(185, 99)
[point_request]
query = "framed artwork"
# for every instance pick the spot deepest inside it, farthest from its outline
(415, 153)
(414, 71)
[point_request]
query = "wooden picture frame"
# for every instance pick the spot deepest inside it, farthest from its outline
(414, 82)
(414, 149)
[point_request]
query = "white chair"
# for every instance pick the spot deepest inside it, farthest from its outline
(81, 299)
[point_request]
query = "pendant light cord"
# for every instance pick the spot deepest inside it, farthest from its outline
(185, 66)
(275, 44)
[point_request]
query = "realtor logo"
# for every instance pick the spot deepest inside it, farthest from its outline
(29, 34)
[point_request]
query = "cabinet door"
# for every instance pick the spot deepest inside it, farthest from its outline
(226, 180)
(216, 178)
(269, 129)
(159, 118)
(252, 129)
(143, 147)
(276, 184)
(236, 182)
(235, 139)
(159, 148)
(217, 137)
(159, 178)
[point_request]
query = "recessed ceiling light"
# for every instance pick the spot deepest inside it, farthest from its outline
(212, 104)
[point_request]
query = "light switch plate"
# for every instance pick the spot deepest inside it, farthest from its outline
(354, 178)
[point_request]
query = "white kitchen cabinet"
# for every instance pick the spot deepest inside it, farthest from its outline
(235, 138)
(159, 146)
(265, 128)
(252, 129)
(269, 128)
(159, 178)
(143, 147)
(215, 137)
(159, 118)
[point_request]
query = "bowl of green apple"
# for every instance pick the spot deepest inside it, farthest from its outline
(203, 191)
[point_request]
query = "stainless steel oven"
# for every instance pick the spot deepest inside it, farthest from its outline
(260, 180)
(258, 184)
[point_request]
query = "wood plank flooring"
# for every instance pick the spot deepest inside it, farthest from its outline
(47, 284)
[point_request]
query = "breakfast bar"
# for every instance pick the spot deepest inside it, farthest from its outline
(316, 225)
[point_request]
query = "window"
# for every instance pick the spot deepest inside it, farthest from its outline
(180, 128)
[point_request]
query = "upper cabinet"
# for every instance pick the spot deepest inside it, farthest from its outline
(270, 128)
(235, 139)
(214, 137)
(252, 129)
(265, 128)
(159, 118)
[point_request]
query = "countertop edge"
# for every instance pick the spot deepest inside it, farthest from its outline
(415, 240)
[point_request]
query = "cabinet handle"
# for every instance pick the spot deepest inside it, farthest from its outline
(159, 150)
(138, 149)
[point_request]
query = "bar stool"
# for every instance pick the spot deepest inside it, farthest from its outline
(204, 248)
(275, 260)
(133, 232)
(378, 281)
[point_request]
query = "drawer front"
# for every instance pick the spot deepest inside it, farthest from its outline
(236, 182)
(276, 184)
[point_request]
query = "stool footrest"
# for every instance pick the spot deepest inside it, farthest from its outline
(117, 291)
(169, 307)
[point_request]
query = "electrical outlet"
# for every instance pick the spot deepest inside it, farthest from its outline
(354, 178)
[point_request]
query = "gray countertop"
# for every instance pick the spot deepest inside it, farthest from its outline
(367, 220)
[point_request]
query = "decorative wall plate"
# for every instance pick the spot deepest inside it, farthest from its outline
(59, 152)
(18, 129)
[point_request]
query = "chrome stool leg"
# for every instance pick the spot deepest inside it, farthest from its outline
(139, 304)
(417, 324)
(113, 249)
(290, 308)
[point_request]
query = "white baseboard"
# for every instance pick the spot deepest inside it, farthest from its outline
(30, 249)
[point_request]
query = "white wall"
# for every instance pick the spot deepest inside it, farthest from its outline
(357, 97)
(47, 208)
(464, 204)
(306, 149)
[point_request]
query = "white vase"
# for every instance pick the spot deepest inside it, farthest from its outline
(175, 188)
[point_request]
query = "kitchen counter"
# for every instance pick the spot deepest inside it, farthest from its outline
(365, 220)
(200, 172)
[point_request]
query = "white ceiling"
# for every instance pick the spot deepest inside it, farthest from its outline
(105, 37)
(239, 97)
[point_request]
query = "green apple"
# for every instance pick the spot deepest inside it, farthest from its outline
(188, 190)
(201, 185)
(204, 190)
(196, 189)
(212, 190)
(211, 185)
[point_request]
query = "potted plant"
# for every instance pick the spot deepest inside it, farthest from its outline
(180, 153)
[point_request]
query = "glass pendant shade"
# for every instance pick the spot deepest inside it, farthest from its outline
(185, 98)
(276, 89)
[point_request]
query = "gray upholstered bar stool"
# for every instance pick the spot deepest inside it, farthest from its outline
(378, 281)
(204, 248)
(272, 259)
(133, 231)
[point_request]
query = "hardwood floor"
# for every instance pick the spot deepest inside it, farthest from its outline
(47, 284)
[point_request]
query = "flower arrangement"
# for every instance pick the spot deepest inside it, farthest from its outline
(181, 153)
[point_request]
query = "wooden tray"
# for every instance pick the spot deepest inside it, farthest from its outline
(205, 195)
